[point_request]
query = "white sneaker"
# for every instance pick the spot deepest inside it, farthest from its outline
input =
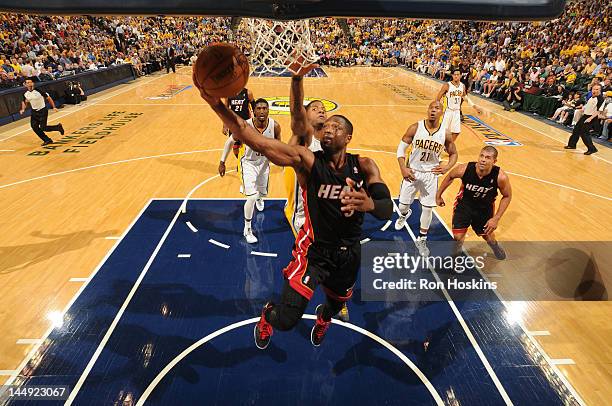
(248, 235)
(259, 203)
(421, 244)
(401, 221)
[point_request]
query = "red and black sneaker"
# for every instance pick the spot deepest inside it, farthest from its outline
(318, 330)
(263, 330)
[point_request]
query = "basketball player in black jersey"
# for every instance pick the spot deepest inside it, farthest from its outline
(475, 202)
(307, 128)
(242, 104)
(338, 188)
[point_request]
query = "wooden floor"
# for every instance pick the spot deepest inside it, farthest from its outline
(61, 207)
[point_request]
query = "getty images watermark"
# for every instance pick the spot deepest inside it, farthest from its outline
(396, 271)
(532, 271)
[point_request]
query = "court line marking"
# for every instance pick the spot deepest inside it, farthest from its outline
(539, 333)
(5, 372)
(183, 256)
(218, 244)
(27, 341)
(233, 170)
(562, 361)
(466, 329)
(112, 238)
(386, 226)
(35, 349)
(511, 173)
(191, 192)
(264, 254)
(78, 279)
(365, 240)
(109, 164)
(83, 107)
(543, 133)
(7, 150)
(560, 185)
(191, 227)
(128, 299)
(534, 342)
(488, 108)
(147, 392)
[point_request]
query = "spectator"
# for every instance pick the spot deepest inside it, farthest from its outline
(513, 99)
(607, 116)
(565, 105)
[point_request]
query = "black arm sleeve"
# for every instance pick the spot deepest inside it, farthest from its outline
(383, 206)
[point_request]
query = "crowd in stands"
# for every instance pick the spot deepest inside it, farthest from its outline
(50, 47)
(547, 67)
(507, 62)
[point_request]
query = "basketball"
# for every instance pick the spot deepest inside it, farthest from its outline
(221, 70)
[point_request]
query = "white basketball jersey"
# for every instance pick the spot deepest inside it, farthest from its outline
(454, 96)
(426, 148)
(315, 145)
(267, 132)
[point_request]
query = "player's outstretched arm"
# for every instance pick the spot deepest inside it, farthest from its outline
(277, 152)
(376, 200)
(251, 102)
(301, 129)
(456, 172)
(442, 92)
(405, 142)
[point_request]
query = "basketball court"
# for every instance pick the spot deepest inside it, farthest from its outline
(110, 289)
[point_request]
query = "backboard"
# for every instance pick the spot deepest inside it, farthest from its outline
(508, 10)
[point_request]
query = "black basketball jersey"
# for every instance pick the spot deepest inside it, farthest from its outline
(329, 224)
(239, 104)
(476, 191)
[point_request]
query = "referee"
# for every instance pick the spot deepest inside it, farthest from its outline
(38, 120)
(587, 121)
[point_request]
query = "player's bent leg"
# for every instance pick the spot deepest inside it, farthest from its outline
(497, 249)
(283, 316)
(405, 212)
(286, 315)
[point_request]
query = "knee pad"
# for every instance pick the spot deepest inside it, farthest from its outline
(286, 317)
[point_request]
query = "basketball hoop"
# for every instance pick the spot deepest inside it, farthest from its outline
(280, 46)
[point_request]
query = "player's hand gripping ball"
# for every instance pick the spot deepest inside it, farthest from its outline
(221, 70)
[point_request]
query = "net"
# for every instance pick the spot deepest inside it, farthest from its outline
(280, 46)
